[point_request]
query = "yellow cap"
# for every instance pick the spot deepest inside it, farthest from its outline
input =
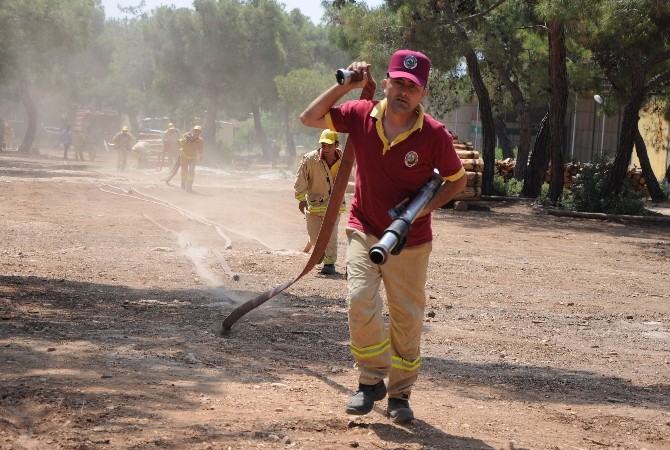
(170, 126)
(197, 127)
(125, 128)
(328, 137)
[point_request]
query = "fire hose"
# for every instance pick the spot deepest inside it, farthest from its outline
(174, 170)
(329, 219)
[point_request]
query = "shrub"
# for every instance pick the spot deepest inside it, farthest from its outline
(585, 194)
(506, 188)
(665, 187)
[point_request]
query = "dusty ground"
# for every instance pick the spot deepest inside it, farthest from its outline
(541, 332)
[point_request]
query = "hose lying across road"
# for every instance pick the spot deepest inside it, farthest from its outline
(329, 219)
(128, 192)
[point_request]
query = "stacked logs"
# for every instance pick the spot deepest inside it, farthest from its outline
(638, 182)
(571, 171)
(505, 168)
(474, 167)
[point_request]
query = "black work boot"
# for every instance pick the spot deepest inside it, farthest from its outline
(399, 410)
(365, 398)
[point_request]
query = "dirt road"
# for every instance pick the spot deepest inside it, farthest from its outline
(541, 332)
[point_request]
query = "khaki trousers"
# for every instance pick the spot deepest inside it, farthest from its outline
(314, 222)
(187, 172)
(378, 352)
(121, 159)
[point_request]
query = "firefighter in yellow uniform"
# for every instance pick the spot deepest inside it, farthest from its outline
(170, 143)
(79, 144)
(123, 142)
(191, 149)
(313, 187)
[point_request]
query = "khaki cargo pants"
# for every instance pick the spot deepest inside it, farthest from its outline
(380, 353)
(314, 222)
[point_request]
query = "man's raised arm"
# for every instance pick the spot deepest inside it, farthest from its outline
(315, 114)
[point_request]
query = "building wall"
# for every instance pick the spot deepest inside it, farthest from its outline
(588, 133)
(655, 131)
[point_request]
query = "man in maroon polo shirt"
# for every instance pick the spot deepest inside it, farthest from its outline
(397, 146)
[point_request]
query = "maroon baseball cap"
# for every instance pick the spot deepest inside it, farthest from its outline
(409, 64)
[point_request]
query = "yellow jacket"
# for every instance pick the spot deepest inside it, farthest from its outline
(171, 138)
(123, 140)
(315, 181)
(191, 147)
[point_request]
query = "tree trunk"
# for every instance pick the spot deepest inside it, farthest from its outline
(655, 191)
(525, 138)
(486, 116)
(2, 133)
(134, 123)
(209, 127)
(523, 116)
(261, 138)
(503, 137)
(31, 111)
(290, 146)
(289, 138)
(485, 110)
(614, 182)
(539, 162)
(558, 103)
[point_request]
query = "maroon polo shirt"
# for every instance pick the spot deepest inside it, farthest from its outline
(388, 173)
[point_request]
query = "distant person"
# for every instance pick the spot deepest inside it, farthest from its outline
(79, 144)
(313, 187)
(171, 143)
(91, 143)
(191, 149)
(141, 150)
(123, 142)
(66, 140)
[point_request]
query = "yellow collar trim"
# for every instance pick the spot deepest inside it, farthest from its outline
(378, 113)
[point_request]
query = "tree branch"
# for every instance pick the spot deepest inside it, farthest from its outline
(481, 13)
(657, 58)
(657, 80)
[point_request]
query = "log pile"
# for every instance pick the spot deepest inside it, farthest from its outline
(505, 168)
(571, 171)
(474, 167)
(638, 182)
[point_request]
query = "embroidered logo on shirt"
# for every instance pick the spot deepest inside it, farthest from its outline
(411, 158)
(410, 62)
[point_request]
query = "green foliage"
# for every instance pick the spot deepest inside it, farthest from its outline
(36, 35)
(509, 188)
(585, 195)
(665, 187)
(447, 90)
(299, 87)
(499, 154)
